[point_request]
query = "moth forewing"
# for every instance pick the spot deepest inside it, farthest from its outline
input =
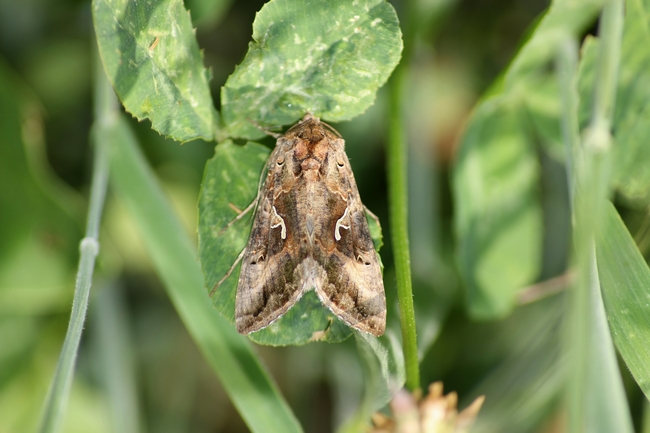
(310, 232)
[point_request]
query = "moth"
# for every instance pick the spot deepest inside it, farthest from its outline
(310, 233)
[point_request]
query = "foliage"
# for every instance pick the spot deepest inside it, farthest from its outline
(548, 192)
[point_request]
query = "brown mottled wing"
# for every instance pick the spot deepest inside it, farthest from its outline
(268, 284)
(353, 288)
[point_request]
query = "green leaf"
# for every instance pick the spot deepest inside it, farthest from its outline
(375, 232)
(632, 113)
(499, 214)
(152, 58)
(231, 356)
(625, 285)
(496, 175)
(305, 322)
(543, 105)
(230, 184)
(328, 58)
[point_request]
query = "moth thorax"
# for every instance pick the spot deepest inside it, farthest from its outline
(310, 164)
(313, 275)
(312, 174)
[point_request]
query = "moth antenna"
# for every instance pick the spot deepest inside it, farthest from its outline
(235, 208)
(232, 268)
(331, 128)
(310, 116)
(275, 135)
(253, 204)
(241, 214)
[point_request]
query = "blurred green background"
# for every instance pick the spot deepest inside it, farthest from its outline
(46, 59)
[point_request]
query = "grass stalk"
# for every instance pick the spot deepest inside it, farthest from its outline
(397, 153)
(57, 398)
(596, 398)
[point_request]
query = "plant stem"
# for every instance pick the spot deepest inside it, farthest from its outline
(567, 65)
(397, 154)
(57, 398)
(596, 398)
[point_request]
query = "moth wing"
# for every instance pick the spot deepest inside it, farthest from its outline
(268, 284)
(353, 288)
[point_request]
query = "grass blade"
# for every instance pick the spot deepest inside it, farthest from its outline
(625, 280)
(231, 356)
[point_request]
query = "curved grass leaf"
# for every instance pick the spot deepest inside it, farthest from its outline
(328, 58)
(246, 382)
(625, 285)
(496, 176)
(230, 184)
(152, 58)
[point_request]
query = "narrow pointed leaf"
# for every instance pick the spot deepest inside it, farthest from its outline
(625, 284)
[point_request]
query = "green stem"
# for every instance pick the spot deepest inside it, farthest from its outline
(57, 398)
(567, 65)
(608, 62)
(592, 171)
(596, 398)
(397, 154)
